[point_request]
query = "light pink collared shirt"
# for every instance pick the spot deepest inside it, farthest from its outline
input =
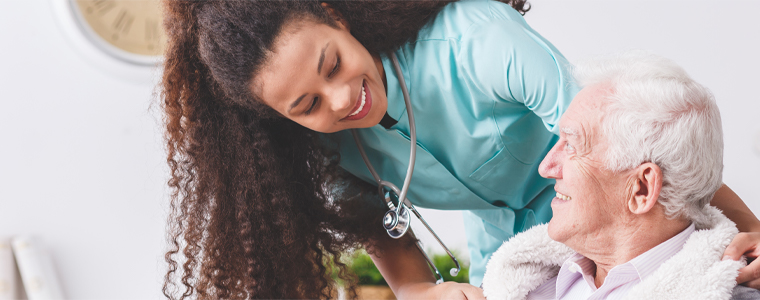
(576, 276)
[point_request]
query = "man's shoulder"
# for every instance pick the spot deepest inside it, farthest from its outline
(523, 263)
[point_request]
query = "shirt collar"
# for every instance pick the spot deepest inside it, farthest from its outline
(649, 261)
(396, 106)
(574, 267)
(637, 268)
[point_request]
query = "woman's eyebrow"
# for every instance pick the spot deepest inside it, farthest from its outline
(322, 58)
(295, 103)
(319, 67)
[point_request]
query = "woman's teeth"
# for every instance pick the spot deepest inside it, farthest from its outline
(364, 100)
(563, 197)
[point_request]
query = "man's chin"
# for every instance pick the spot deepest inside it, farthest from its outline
(555, 232)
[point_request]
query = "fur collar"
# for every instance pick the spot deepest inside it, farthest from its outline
(696, 272)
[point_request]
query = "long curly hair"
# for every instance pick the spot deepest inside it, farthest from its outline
(259, 206)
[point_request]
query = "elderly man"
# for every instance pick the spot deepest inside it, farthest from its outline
(639, 157)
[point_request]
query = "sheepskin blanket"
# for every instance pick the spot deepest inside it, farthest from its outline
(696, 272)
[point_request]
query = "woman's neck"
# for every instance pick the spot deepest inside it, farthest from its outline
(381, 70)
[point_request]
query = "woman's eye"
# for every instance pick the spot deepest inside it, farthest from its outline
(313, 104)
(335, 68)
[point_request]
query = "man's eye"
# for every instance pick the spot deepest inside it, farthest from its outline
(335, 68)
(313, 104)
(569, 148)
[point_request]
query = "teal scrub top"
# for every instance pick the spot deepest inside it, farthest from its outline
(487, 93)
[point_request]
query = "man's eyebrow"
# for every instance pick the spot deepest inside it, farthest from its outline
(322, 58)
(569, 131)
(295, 103)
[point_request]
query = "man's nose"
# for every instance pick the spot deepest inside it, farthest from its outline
(339, 97)
(551, 166)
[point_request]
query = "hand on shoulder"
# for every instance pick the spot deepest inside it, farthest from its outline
(747, 244)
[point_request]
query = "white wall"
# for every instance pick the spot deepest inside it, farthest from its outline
(81, 163)
(81, 160)
(717, 42)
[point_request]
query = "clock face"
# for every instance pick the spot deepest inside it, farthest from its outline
(134, 26)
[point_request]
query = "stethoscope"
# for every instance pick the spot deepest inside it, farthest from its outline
(397, 220)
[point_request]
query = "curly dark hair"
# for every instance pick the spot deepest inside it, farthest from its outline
(259, 206)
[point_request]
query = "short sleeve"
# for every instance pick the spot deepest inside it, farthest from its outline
(510, 62)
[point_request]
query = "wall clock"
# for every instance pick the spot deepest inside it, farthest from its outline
(128, 29)
(124, 37)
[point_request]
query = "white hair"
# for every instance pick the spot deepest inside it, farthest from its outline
(656, 113)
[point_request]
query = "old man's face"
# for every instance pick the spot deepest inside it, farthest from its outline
(588, 196)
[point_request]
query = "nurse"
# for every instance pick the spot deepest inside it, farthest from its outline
(269, 187)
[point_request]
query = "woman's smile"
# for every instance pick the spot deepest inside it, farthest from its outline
(363, 104)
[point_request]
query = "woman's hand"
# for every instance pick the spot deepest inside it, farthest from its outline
(746, 243)
(405, 269)
(446, 290)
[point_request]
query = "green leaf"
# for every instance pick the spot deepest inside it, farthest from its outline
(361, 264)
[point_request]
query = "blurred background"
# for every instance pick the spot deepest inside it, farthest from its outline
(82, 165)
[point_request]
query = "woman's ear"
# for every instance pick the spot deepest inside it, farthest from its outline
(337, 16)
(646, 189)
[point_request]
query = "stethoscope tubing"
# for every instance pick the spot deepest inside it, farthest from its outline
(402, 201)
(412, 134)
(412, 152)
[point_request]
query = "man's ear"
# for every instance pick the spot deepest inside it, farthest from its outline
(646, 189)
(337, 16)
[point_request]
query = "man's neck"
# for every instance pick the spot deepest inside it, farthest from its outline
(628, 241)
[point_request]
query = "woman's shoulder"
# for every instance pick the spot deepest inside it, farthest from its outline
(457, 18)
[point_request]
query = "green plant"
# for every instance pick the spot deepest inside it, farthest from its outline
(361, 264)
(365, 269)
(444, 263)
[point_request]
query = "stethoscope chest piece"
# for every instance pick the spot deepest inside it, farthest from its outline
(396, 222)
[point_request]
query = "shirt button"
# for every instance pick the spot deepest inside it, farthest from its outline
(574, 269)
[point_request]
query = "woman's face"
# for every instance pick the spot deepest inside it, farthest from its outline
(322, 78)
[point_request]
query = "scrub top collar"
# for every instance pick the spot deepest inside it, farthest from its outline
(387, 122)
(396, 106)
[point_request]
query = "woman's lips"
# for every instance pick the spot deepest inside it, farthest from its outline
(367, 105)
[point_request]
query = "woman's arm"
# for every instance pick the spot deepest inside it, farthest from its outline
(408, 275)
(747, 242)
(734, 208)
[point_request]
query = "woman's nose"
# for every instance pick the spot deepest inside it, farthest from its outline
(339, 97)
(551, 166)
